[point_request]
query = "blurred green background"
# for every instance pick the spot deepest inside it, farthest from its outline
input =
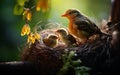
(11, 42)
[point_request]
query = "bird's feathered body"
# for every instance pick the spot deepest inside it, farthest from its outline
(83, 27)
(79, 25)
(67, 38)
(51, 41)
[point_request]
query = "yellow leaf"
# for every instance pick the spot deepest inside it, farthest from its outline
(38, 6)
(25, 30)
(42, 4)
(29, 15)
(37, 36)
(25, 12)
(28, 29)
(45, 5)
(31, 38)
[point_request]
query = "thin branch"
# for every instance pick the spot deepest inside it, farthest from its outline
(17, 68)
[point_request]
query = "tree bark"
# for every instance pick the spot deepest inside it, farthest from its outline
(115, 11)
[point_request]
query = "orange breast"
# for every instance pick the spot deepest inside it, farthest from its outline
(72, 29)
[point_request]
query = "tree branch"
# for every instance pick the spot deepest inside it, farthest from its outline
(17, 68)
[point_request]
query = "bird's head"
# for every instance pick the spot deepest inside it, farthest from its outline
(62, 31)
(53, 36)
(71, 13)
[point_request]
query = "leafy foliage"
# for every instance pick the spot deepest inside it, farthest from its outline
(74, 64)
(32, 17)
(19, 7)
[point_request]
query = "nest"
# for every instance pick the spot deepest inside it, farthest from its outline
(48, 60)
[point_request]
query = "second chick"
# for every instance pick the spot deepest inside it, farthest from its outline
(67, 38)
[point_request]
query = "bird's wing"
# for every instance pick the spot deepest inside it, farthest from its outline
(46, 41)
(71, 38)
(87, 26)
(84, 26)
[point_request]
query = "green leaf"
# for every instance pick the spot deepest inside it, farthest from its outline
(21, 2)
(76, 63)
(77, 72)
(71, 55)
(18, 9)
(69, 62)
(83, 68)
(64, 69)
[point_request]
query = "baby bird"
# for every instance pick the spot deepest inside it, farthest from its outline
(80, 26)
(51, 40)
(67, 38)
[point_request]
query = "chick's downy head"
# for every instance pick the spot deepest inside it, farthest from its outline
(52, 36)
(62, 31)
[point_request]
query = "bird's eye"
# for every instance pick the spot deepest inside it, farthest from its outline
(70, 12)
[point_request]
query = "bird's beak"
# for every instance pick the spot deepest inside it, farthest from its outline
(57, 37)
(56, 31)
(64, 15)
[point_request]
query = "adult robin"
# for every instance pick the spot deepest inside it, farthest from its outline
(80, 26)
